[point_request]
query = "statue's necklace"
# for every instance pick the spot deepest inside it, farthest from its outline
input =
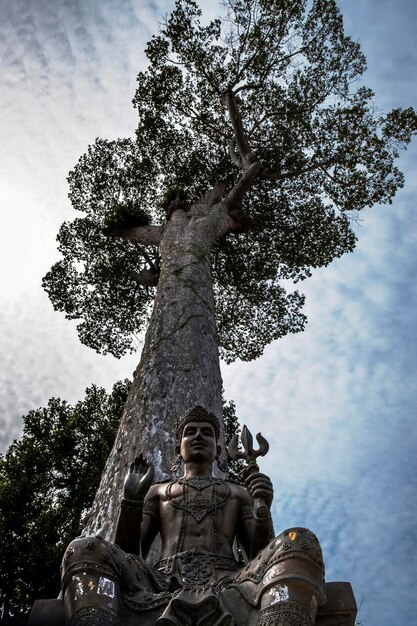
(198, 505)
(199, 482)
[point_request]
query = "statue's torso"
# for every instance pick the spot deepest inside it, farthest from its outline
(200, 514)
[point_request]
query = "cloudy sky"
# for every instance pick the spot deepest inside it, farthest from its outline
(337, 402)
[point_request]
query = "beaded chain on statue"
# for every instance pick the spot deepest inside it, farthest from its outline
(197, 504)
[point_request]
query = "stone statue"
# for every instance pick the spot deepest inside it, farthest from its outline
(199, 579)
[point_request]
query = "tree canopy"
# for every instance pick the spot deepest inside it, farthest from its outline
(273, 82)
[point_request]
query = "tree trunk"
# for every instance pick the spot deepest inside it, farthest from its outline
(179, 366)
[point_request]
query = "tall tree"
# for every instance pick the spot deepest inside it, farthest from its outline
(47, 483)
(256, 146)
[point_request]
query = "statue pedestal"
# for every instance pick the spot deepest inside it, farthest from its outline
(339, 610)
(48, 613)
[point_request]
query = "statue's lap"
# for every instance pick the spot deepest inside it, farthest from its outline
(289, 571)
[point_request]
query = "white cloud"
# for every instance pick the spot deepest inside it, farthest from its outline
(42, 358)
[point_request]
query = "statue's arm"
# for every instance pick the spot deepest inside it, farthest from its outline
(253, 533)
(136, 485)
(151, 523)
(129, 527)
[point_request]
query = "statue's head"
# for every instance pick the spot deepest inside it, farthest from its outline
(198, 416)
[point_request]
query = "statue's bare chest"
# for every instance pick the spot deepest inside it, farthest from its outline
(197, 497)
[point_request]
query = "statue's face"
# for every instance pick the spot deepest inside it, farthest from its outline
(198, 442)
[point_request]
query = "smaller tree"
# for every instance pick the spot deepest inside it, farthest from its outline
(47, 483)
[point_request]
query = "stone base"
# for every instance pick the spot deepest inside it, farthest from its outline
(339, 610)
(47, 613)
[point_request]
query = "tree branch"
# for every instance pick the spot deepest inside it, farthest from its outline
(237, 124)
(146, 277)
(285, 175)
(227, 212)
(236, 160)
(243, 184)
(249, 60)
(192, 114)
(214, 195)
(152, 262)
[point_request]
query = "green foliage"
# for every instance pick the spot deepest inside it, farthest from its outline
(172, 194)
(326, 153)
(232, 427)
(48, 480)
(124, 215)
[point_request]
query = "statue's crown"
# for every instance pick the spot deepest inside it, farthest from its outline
(197, 414)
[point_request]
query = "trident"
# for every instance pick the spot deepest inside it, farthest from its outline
(250, 454)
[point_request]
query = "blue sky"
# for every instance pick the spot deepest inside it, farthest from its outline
(337, 402)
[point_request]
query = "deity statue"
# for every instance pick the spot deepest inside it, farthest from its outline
(200, 579)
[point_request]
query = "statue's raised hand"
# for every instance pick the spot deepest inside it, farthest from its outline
(139, 479)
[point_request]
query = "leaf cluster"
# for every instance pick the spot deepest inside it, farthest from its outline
(95, 281)
(48, 480)
(124, 215)
(231, 428)
(325, 149)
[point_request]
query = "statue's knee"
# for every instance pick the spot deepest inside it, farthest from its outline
(88, 543)
(294, 576)
(294, 591)
(90, 585)
(297, 552)
(89, 547)
(91, 597)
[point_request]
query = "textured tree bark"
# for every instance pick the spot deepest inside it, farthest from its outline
(179, 366)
